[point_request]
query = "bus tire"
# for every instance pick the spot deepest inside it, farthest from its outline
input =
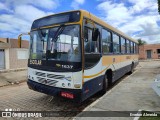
(105, 85)
(132, 69)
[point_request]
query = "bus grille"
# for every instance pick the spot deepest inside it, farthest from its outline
(49, 76)
(41, 80)
(55, 76)
(51, 82)
(41, 74)
(47, 82)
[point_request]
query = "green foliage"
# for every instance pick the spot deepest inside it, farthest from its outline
(141, 42)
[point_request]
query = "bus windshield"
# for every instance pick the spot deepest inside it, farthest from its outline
(57, 43)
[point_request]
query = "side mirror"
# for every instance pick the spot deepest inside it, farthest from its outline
(20, 39)
(95, 34)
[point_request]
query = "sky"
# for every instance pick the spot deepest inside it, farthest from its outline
(136, 18)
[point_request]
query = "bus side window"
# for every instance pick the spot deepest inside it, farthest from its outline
(132, 47)
(128, 46)
(87, 39)
(106, 41)
(116, 43)
(89, 45)
(123, 45)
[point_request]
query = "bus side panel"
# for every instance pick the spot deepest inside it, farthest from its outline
(122, 64)
(92, 86)
(93, 79)
(121, 71)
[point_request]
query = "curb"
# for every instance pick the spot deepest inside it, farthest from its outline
(12, 70)
(148, 60)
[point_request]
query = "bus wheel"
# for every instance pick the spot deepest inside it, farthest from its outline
(105, 85)
(132, 69)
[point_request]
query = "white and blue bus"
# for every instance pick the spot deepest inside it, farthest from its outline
(75, 55)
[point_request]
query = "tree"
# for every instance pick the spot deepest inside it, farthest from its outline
(141, 42)
(158, 6)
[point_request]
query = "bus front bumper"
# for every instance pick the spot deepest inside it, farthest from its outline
(54, 91)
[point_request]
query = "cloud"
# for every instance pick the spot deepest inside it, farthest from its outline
(140, 5)
(138, 21)
(3, 7)
(29, 12)
(47, 4)
(12, 24)
(19, 17)
(79, 1)
(76, 3)
(114, 13)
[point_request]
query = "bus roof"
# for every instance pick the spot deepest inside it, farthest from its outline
(101, 22)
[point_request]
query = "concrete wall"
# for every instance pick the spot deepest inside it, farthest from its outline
(15, 57)
(17, 60)
(7, 60)
(153, 47)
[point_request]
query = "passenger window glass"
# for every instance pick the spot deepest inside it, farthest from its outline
(106, 41)
(132, 47)
(128, 46)
(123, 45)
(116, 45)
(89, 45)
(134, 50)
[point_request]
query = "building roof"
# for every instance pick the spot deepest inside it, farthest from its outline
(13, 43)
(3, 40)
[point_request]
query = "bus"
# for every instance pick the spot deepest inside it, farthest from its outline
(75, 54)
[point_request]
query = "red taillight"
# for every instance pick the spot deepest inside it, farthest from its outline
(67, 95)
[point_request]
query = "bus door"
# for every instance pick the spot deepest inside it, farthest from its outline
(92, 50)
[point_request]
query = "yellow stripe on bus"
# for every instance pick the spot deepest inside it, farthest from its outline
(94, 75)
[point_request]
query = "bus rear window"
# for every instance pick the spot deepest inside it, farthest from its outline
(56, 19)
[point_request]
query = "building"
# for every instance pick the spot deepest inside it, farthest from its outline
(149, 51)
(11, 56)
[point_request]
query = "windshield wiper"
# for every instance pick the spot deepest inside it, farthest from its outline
(58, 32)
(54, 39)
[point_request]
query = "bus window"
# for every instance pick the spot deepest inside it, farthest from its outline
(123, 45)
(132, 47)
(128, 46)
(116, 45)
(89, 45)
(134, 50)
(106, 41)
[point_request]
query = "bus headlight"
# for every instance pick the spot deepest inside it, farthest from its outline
(69, 84)
(63, 84)
(77, 85)
(68, 78)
